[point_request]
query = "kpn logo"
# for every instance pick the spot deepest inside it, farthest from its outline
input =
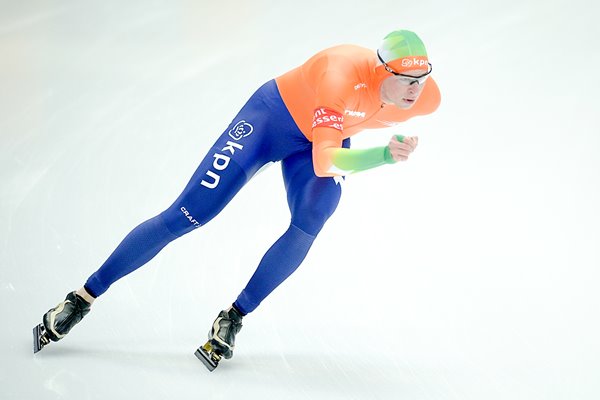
(408, 62)
(241, 130)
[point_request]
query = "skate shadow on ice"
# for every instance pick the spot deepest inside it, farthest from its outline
(121, 355)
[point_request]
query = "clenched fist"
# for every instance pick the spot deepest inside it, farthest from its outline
(401, 149)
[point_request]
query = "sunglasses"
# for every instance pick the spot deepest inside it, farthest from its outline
(406, 79)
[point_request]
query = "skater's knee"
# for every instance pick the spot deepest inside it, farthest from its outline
(178, 220)
(312, 219)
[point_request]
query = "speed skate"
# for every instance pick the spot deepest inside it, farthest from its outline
(209, 357)
(40, 338)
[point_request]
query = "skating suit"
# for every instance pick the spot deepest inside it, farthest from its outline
(304, 119)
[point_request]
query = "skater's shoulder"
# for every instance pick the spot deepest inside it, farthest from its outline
(345, 55)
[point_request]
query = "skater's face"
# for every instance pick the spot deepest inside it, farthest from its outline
(403, 90)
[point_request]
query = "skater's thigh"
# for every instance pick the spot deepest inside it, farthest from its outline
(229, 164)
(311, 199)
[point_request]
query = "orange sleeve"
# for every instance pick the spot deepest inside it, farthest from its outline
(331, 94)
(325, 142)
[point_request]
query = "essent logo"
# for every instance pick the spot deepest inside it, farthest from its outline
(325, 117)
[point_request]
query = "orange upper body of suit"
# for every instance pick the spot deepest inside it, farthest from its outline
(344, 80)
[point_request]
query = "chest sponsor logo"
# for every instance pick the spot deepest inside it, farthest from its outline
(324, 117)
(357, 114)
(360, 86)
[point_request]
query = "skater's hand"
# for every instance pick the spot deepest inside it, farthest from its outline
(400, 150)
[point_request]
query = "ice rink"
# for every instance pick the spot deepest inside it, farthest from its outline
(469, 272)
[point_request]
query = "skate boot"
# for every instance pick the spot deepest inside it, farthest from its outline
(58, 321)
(221, 338)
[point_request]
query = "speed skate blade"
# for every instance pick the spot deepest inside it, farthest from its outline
(206, 358)
(39, 338)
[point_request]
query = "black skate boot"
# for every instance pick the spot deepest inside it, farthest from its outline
(58, 321)
(221, 338)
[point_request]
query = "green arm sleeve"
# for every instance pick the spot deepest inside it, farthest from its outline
(349, 161)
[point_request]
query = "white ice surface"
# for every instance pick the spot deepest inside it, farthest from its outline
(469, 272)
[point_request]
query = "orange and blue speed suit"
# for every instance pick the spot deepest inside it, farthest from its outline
(304, 119)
